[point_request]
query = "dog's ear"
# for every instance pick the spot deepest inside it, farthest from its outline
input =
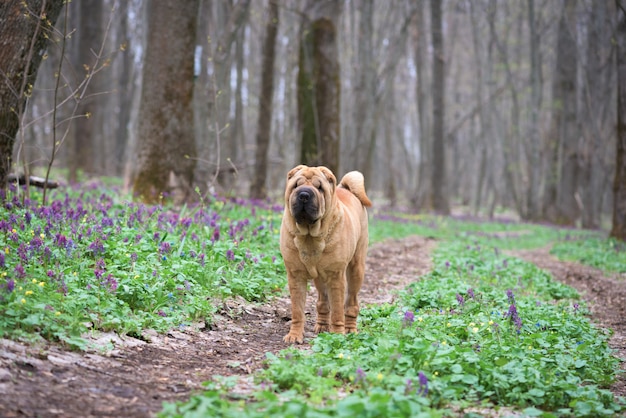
(329, 175)
(294, 170)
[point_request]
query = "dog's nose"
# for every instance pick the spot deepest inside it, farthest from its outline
(304, 196)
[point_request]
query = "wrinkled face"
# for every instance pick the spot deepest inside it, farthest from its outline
(309, 193)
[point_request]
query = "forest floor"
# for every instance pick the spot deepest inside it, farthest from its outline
(134, 377)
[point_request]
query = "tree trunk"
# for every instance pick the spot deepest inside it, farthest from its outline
(364, 89)
(439, 186)
(422, 198)
(165, 143)
(560, 204)
(598, 86)
(258, 187)
(24, 33)
(86, 138)
(534, 163)
(319, 88)
(619, 184)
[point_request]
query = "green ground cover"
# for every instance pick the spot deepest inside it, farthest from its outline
(480, 329)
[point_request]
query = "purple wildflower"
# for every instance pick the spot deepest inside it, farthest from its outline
(216, 234)
(19, 271)
(2, 264)
(409, 318)
(161, 313)
(165, 247)
(10, 285)
(470, 293)
(460, 299)
(514, 317)
(409, 387)
(361, 377)
(423, 390)
(509, 294)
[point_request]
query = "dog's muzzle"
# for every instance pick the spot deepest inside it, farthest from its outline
(304, 206)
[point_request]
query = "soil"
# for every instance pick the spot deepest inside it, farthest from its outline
(131, 377)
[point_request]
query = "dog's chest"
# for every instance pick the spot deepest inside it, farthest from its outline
(310, 252)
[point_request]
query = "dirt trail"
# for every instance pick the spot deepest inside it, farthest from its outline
(136, 377)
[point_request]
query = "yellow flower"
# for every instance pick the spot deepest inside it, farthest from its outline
(490, 322)
(136, 276)
(6, 250)
(379, 376)
(42, 284)
(436, 373)
(449, 324)
(471, 324)
(475, 329)
(28, 292)
(57, 313)
(444, 342)
(530, 347)
(20, 288)
(34, 280)
(13, 230)
(420, 319)
(23, 300)
(340, 355)
(42, 235)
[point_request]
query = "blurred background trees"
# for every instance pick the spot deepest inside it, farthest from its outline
(503, 106)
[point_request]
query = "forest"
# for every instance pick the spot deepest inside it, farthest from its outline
(484, 107)
(144, 149)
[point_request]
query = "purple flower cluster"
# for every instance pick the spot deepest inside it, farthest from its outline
(512, 312)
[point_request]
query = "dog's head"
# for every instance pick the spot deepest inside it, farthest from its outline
(309, 194)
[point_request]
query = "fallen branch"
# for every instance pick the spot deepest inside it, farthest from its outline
(33, 181)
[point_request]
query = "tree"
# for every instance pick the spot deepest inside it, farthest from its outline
(86, 143)
(619, 184)
(423, 194)
(24, 32)
(439, 192)
(560, 204)
(166, 145)
(319, 86)
(258, 186)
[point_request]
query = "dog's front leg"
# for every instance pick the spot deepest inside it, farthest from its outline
(336, 295)
(323, 308)
(297, 291)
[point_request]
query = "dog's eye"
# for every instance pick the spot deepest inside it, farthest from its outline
(320, 188)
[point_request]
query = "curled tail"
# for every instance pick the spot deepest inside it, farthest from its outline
(355, 183)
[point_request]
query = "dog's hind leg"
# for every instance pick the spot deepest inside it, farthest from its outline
(354, 276)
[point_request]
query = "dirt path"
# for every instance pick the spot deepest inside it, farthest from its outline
(135, 377)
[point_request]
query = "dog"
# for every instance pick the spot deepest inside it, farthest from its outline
(324, 238)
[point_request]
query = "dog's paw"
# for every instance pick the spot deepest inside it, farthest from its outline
(319, 328)
(294, 337)
(338, 329)
(350, 330)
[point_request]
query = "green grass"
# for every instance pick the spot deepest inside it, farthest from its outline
(608, 255)
(93, 260)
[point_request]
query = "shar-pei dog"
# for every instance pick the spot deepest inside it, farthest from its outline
(323, 238)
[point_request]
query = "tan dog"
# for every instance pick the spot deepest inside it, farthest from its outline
(323, 237)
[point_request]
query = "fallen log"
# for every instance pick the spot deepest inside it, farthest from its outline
(33, 181)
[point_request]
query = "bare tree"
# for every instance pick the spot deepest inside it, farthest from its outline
(319, 85)
(166, 145)
(24, 32)
(439, 184)
(559, 200)
(619, 183)
(258, 187)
